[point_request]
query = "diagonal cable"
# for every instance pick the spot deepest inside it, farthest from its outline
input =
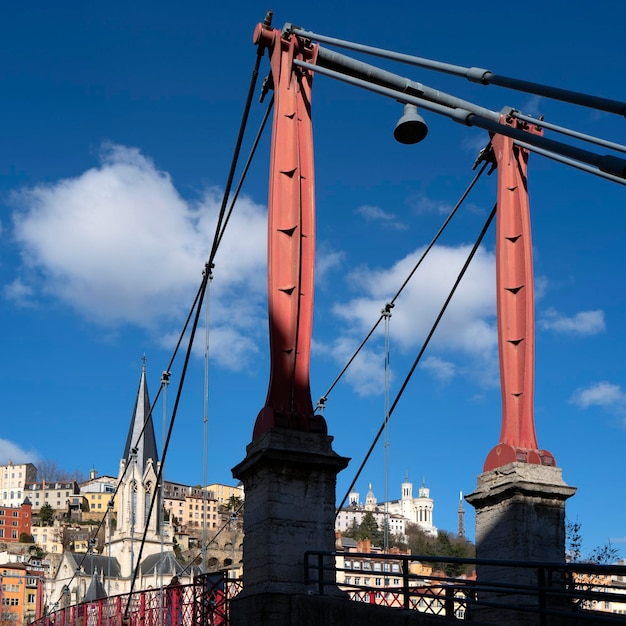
(169, 433)
(324, 398)
(421, 352)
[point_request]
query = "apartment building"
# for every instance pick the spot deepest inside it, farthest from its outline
(13, 478)
(223, 493)
(22, 594)
(14, 521)
(191, 506)
(98, 491)
(57, 495)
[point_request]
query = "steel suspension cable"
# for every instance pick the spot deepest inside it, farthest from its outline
(386, 313)
(205, 438)
(219, 232)
(239, 141)
(126, 466)
(192, 334)
(217, 534)
(321, 403)
(421, 352)
(245, 169)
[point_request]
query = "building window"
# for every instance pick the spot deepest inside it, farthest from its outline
(15, 513)
(14, 534)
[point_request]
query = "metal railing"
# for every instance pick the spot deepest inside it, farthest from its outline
(205, 602)
(591, 593)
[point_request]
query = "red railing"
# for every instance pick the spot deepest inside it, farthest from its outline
(205, 602)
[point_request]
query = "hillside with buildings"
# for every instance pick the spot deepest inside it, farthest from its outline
(64, 541)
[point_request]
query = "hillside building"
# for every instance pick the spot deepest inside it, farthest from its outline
(14, 521)
(223, 493)
(397, 513)
(22, 594)
(191, 507)
(417, 510)
(98, 491)
(13, 479)
(59, 495)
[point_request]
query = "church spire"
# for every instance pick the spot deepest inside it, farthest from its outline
(141, 431)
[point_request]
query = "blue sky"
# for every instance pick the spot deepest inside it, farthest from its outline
(118, 123)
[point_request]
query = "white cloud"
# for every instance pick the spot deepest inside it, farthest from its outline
(19, 293)
(440, 369)
(583, 323)
(602, 394)
(469, 322)
(376, 214)
(532, 106)
(120, 246)
(10, 451)
(474, 141)
(366, 373)
(424, 205)
(541, 287)
(468, 328)
(326, 260)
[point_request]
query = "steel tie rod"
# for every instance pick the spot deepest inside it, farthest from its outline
(606, 163)
(473, 74)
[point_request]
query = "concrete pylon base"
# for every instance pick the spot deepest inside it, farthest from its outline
(289, 480)
(520, 516)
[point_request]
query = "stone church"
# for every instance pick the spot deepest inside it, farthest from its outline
(81, 577)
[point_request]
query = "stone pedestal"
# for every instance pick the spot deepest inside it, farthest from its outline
(289, 481)
(520, 516)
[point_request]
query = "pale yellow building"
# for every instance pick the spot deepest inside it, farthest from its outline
(223, 493)
(49, 538)
(98, 491)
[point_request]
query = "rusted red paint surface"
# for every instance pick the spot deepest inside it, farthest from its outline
(515, 308)
(291, 239)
